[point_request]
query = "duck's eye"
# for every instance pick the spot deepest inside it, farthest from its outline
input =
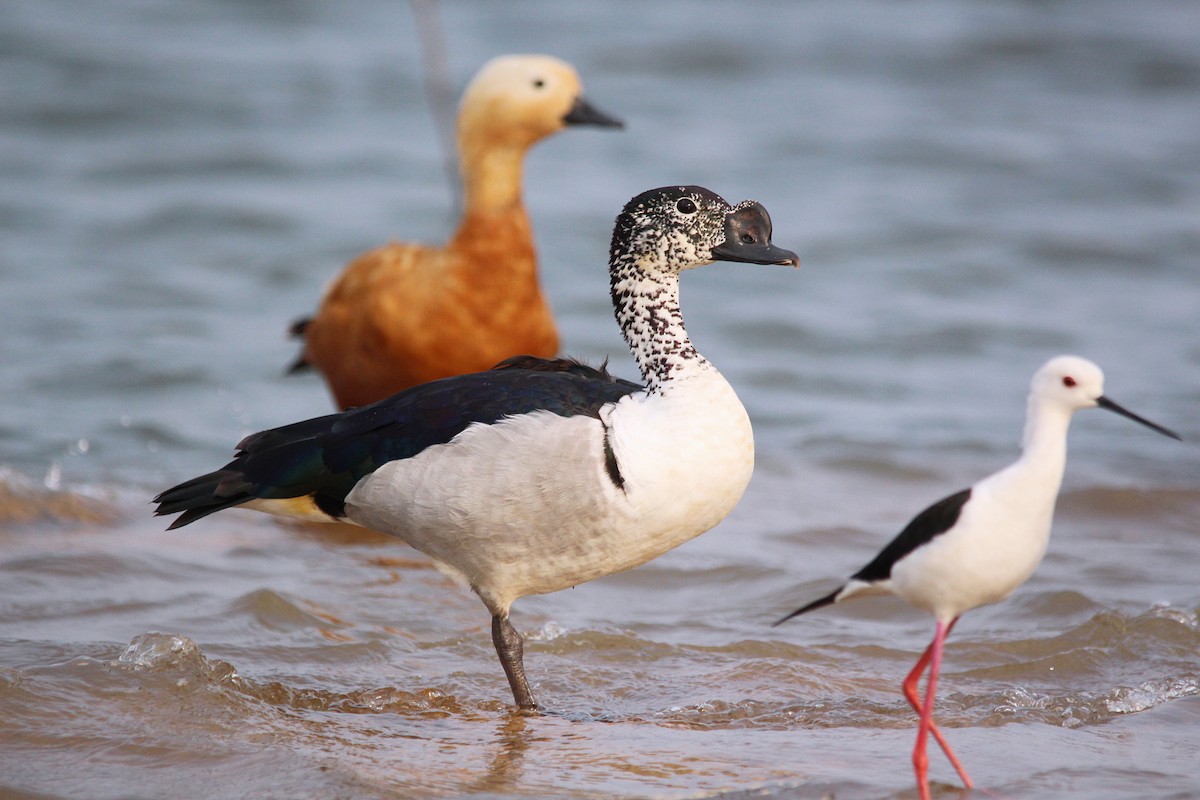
(1068, 381)
(539, 83)
(685, 206)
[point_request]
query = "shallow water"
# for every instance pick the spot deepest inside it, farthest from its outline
(972, 188)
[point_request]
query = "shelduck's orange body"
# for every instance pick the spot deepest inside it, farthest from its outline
(405, 314)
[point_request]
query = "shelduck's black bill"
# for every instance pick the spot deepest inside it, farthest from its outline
(1104, 402)
(748, 238)
(584, 113)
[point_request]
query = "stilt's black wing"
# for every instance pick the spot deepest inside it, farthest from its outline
(933, 521)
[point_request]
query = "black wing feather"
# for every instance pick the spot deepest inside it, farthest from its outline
(924, 527)
(933, 521)
(813, 606)
(326, 456)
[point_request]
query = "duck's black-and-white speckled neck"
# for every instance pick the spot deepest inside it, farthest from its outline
(648, 312)
(652, 243)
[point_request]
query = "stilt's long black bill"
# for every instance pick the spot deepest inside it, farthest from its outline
(1104, 402)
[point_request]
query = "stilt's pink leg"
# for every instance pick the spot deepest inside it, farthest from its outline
(932, 655)
(914, 699)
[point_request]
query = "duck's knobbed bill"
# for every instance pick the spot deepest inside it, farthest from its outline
(748, 238)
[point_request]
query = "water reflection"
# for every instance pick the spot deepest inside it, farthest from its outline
(510, 742)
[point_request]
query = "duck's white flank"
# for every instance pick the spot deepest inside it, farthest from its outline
(680, 479)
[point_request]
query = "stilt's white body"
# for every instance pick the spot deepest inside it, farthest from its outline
(969, 567)
(1002, 533)
(948, 564)
(535, 474)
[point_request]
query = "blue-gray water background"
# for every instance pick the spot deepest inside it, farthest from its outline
(973, 187)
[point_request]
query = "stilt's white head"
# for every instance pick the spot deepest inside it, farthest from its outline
(1072, 383)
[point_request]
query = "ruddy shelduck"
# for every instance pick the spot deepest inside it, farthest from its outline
(406, 313)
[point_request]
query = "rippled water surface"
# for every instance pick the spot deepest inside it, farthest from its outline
(972, 187)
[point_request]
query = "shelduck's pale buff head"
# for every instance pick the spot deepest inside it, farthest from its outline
(516, 100)
(1073, 383)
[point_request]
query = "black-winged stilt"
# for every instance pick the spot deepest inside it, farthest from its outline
(539, 475)
(977, 546)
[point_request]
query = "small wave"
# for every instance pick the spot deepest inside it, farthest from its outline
(1081, 708)
(276, 611)
(151, 651)
(180, 661)
(1106, 648)
(23, 502)
(724, 714)
(1080, 677)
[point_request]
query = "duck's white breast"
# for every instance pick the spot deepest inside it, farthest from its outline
(687, 455)
(527, 505)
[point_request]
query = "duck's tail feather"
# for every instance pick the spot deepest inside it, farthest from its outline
(204, 495)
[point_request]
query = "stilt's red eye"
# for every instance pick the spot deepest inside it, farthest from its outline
(1068, 381)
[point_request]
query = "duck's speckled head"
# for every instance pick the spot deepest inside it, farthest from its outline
(679, 227)
(659, 234)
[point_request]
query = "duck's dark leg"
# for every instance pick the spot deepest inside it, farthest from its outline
(510, 648)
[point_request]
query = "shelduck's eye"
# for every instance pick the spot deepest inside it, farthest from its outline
(1068, 381)
(539, 83)
(685, 206)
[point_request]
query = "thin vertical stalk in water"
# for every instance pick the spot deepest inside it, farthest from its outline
(439, 91)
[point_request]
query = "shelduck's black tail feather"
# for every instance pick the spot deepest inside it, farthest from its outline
(299, 364)
(827, 600)
(297, 331)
